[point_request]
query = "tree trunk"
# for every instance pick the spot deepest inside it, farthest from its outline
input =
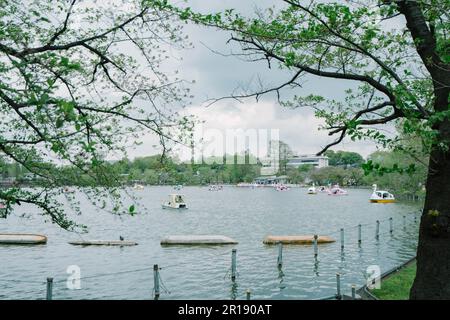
(433, 253)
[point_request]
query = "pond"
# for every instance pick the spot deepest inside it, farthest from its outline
(245, 214)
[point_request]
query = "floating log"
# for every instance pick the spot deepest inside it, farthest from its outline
(304, 239)
(22, 238)
(103, 243)
(197, 240)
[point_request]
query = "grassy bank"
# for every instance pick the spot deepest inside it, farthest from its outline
(397, 285)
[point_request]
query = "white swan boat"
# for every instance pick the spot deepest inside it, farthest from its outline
(68, 190)
(381, 196)
(176, 201)
(312, 190)
(138, 187)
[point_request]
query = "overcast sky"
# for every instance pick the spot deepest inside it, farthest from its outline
(217, 75)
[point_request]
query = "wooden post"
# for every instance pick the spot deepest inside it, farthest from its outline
(156, 280)
(353, 292)
(342, 238)
(404, 222)
(338, 286)
(49, 288)
(316, 250)
(391, 225)
(377, 232)
(359, 234)
(233, 264)
(248, 293)
(280, 255)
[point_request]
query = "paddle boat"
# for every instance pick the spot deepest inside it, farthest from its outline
(381, 196)
(178, 187)
(312, 190)
(68, 190)
(176, 201)
(215, 188)
(138, 186)
(281, 187)
(324, 189)
(337, 191)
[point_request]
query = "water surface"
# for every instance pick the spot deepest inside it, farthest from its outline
(245, 214)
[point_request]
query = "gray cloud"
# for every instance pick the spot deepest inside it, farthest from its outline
(217, 75)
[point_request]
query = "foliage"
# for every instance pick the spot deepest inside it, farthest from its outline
(343, 158)
(389, 70)
(401, 183)
(79, 82)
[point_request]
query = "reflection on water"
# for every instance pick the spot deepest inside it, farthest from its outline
(247, 215)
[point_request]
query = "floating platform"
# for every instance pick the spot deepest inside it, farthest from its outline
(198, 240)
(103, 243)
(304, 239)
(22, 238)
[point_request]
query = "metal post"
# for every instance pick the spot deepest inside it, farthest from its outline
(342, 238)
(156, 280)
(353, 292)
(248, 293)
(391, 225)
(280, 255)
(316, 250)
(377, 233)
(233, 264)
(49, 288)
(359, 234)
(338, 286)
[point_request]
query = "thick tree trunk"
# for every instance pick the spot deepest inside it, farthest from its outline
(433, 254)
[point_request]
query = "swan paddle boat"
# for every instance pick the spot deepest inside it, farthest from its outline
(312, 190)
(337, 191)
(281, 187)
(215, 188)
(176, 201)
(381, 196)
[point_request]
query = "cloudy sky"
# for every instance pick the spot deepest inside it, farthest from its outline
(217, 75)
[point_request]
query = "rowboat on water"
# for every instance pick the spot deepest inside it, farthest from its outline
(301, 239)
(22, 238)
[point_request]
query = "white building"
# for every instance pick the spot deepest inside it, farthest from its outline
(316, 161)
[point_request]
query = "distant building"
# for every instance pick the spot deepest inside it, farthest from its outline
(270, 180)
(316, 161)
